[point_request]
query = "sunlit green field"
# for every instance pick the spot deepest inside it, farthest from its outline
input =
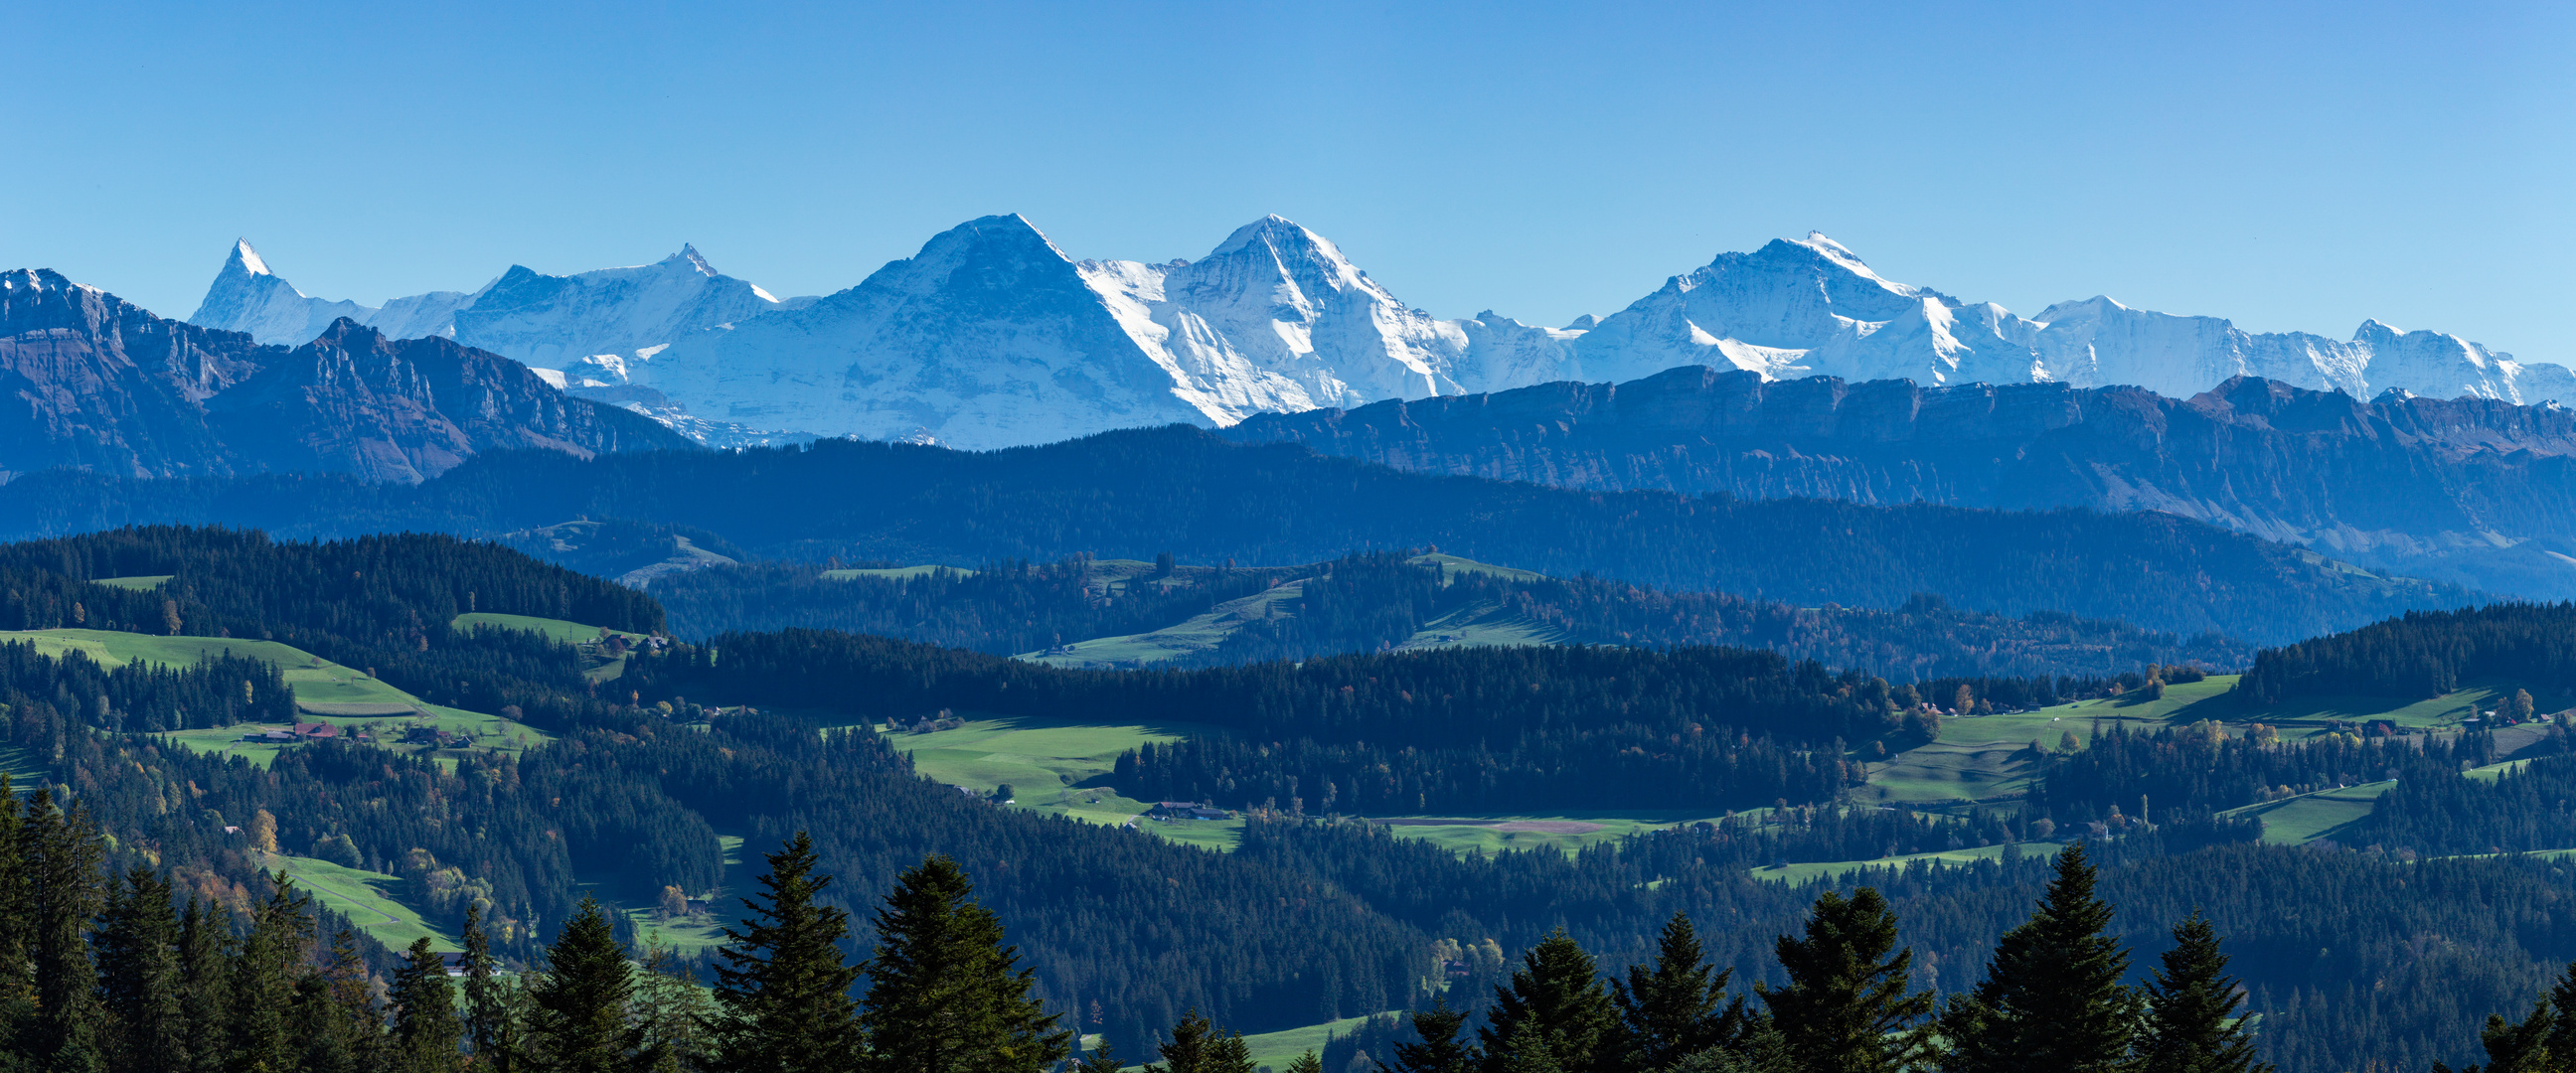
(1566, 831)
(724, 908)
(898, 573)
(137, 583)
(555, 628)
(361, 896)
(1198, 633)
(1800, 873)
(1277, 1049)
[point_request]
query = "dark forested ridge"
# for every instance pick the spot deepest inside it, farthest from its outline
(1183, 490)
(2261, 456)
(1373, 601)
(2427, 654)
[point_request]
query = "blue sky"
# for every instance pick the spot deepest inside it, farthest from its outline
(2286, 165)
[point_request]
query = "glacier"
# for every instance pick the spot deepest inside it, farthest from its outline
(992, 337)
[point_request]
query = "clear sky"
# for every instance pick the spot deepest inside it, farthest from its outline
(2291, 166)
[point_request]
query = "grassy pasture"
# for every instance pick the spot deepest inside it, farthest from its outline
(1800, 873)
(1451, 566)
(326, 691)
(361, 896)
(570, 633)
(724, 906)
(138, 583)
(1198, 633)
(1566, 832)
(899, 573)
(1043, 759)
(2308, 817)
(1277, 1049)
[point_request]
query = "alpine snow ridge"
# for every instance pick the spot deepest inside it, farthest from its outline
(992, 337)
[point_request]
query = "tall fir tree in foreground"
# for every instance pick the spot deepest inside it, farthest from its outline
(581, 1023)
(1846, 1008)
(783, 987)
(426, 1030)
(2191, 1010)
(2052, 1000)
(139, 976)
(1558, 994)
(944, 994)
(1679, 1006)
(59, 853)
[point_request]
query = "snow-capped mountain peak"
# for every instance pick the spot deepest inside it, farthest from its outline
(247, 259)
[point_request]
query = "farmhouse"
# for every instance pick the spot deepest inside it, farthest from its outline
(1185, 810)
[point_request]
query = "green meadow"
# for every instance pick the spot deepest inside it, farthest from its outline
(137, 583)
(1567, 832)
(899, 573)
(1048, 764)
(1198, 633)
(1800, 873)
(362, 896)
(571, 633)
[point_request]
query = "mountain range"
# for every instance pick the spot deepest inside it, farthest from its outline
(89, 380)
(2474, 491)
(991, 336)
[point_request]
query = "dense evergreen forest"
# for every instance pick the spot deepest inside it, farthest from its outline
(1474, 729)
(1186, 491)
(1371, 601)
(2426, 654)
(1317, 915)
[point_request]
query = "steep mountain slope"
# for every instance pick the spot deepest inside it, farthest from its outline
(1133, 494)
(548, 322)
(96, 382)
(2476, 491)
(989, 337)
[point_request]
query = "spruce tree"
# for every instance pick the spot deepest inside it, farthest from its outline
(1559, 994)
(944, 995)
(2562, 1001)
(342, 1028)
(581, 1024)
(262, 985)
(783, 990)
(1100, 1060)
(489, 1023)
(1441, 1051)
(2190, 1007)
(426, 1032)
(1523, 1049)
(673, 1011)
(1306, 1063)
(17, 930)
(1679, 1007)
(1846, 1008)
(205, 974)
(60, 853)
(2516, 1047)
(1198, 1046)
(2052, 1000)
(138, 976)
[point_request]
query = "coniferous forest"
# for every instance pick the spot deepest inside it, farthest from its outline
(1151, 948)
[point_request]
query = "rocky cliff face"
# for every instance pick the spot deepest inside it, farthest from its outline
(92, 381)
(2474, 491)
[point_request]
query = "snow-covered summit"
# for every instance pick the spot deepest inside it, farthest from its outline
(542, 320)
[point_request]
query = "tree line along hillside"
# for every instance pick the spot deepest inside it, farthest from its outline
(2427, 654)
(1370, 601)
(1186, 491)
